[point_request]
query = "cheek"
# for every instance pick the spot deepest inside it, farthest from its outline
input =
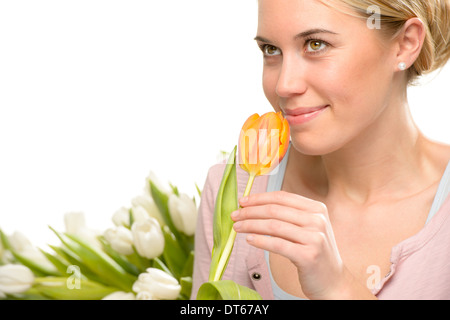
(360, 87)
(270, 79)
(358, 91)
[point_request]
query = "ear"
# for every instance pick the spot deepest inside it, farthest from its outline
(410, 41)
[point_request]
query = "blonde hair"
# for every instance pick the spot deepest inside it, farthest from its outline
(435, 15)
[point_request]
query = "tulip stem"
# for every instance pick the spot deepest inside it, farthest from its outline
(250, 181)
(230, 241)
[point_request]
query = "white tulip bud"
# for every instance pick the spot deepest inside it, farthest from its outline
(156, 284)
(183, 212)
(120, 239)
(15, 278)
(120, 295)
(160, 186)
(121, 217)
(75, 225)
(146, 201)
(139, 213)
(148, 238)
(20, 244)
(74, 221)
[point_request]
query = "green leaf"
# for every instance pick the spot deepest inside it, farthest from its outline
(186, 287)
(226, 290)
(174, 255)
(199, 191)
(226, 203)
(188, 268)
(131, 218)
(140, 262)
(157, 263)
(161, 200)
(174, 189)
(30, 294)
(4, 240)
(60, 265)
(62, 288)
(98, 262)
(36, 268)
(72, 259)
(120, 259)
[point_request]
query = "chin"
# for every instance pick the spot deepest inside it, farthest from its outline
(314, 147)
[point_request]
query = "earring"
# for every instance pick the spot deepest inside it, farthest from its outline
(402, 66)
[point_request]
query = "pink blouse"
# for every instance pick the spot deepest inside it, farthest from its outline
(420, 265)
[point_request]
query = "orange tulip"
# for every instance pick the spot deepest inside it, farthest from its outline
(263, 143)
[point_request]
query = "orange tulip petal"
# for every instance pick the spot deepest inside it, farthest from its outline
(263, 142)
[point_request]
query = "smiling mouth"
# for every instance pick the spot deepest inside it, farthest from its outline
(304, 114)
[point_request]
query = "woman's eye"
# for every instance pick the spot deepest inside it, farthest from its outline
(270, 50)
(315, 45)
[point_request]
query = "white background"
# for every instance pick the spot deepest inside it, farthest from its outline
(96, 94)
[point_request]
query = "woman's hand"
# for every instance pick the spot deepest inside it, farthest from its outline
(300, 230)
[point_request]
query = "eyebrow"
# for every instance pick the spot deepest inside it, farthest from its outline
(303, 34)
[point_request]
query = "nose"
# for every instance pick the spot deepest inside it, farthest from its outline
(291, 80)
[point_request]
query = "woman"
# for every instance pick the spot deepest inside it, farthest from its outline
(360, 208)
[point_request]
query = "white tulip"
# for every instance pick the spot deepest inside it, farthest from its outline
(154, 179)
(75, 225)
(139, 213)
(183, 212)
(146, 201)
(156, 284)
(15, 278)
(120, 295)
(148, 238)
(74, 221)
(20, 244)
(121, 217)
(144, 295)
(120, 239)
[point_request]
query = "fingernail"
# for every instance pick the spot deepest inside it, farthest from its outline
(244, 200)
(250, 238)
(234, 214)
(236, 226)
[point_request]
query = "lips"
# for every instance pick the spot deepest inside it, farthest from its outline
(304, 114)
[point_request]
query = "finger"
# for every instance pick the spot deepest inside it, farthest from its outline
(313, 221)
(290, 250)
(278, 229)
(286, 199)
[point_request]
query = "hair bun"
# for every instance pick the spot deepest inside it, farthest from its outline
(436, 48)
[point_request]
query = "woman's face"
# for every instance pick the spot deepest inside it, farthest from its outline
(328, 72)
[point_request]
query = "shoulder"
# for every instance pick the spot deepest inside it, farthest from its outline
(439, 154)
(213, 180)
(441, 150)
(215, 173)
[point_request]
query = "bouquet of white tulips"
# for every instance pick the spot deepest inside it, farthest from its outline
(148, 254)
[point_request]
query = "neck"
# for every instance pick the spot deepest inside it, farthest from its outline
(386, 160)
(381, 161)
